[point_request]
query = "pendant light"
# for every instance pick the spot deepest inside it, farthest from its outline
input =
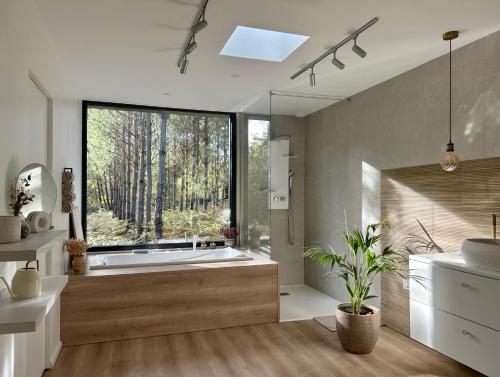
(450, 161)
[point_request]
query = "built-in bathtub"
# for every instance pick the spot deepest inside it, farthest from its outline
(164, 258)
(151, 293)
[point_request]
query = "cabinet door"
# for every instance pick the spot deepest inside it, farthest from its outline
(473, 297)
(467, 342)
(53, 335)
(422, 289)
(466, 295)
(29, 350)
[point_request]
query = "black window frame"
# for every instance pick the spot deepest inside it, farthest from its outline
(86, 104)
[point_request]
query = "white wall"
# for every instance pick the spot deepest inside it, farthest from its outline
(25, 45)
(401, 122)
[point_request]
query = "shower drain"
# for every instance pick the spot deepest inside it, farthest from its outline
(284, 294)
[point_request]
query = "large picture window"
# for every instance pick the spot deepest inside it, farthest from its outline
(155, 177)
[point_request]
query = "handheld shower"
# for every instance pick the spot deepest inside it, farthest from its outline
(291, 176)
(291, 220)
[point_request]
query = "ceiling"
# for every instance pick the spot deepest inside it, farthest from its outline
(126, 50)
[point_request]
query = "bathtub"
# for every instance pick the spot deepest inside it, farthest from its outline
(158, 299)
(160, 258)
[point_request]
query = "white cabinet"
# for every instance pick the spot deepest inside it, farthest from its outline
(465, 341)
(456, 311)
(34, 324)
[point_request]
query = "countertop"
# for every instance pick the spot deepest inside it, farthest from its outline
(256, 261)
(454, 261)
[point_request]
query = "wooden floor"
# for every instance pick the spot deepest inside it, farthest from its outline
(287, 349)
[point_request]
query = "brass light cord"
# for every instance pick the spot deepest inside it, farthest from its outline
(450, 94)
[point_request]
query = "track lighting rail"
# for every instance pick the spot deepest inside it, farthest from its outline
(190, 43)
(309, 96)
(333, 49)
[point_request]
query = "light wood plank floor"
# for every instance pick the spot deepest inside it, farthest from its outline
(302, 348)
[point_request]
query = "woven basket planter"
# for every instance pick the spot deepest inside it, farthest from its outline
(358, 333)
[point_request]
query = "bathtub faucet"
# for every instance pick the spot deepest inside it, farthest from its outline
(195, 240)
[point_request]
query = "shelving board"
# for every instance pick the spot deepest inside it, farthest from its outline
(20, 316)
(28, 248)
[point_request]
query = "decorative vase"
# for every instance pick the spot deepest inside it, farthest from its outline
(10, 229)
(79, 264)
(25, 228)
(358, 333)
(255, 243)
(229, 242)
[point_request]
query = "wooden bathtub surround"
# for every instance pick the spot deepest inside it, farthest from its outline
(451, 206)
(128, 303)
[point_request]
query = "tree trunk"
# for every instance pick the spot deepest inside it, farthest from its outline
(181, 203)
(129, 166)
(217, 168)
(115, 190)
(160, 189)
(141, 187)
(174, 189)
(206, 141)
(187, 183)
(166, 198)
(100, 196)
(106, 192)
(197, 164)
(111, 188)
(149, 175)
(133, 204)
(194, 165)
(123, 175)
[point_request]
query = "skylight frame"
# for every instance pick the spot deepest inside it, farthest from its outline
(262, 44)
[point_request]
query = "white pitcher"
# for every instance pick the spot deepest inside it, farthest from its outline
(26, 282)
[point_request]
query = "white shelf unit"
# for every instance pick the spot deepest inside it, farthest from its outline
(21, 316)
(33, 326)
(29, 248)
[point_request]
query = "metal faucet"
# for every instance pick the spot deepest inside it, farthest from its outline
(195, 240)
(494, 226)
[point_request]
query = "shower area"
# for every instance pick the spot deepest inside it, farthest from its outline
(272, 188)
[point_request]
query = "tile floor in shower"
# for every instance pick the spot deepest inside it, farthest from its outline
(303, 302)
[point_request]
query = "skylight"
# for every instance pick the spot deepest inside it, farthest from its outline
(250, 43)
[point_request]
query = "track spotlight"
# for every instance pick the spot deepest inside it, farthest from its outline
(191, 46)
(337, 62)
(312, 77)
(332, 50)
(184, 65)
(202, 24)
(190, 43)
(358, 50)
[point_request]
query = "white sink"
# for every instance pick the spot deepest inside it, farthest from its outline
(481, 252)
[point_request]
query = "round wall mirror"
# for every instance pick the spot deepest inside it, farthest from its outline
(42, 186)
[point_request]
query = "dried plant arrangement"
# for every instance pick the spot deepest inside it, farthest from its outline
(20, 194)
(76, 247)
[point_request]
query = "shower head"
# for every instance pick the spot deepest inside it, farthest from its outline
(291, 175)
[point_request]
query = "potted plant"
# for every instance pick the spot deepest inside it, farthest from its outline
(12, 228)
(358, 323)
(77, 250)
(254, 233)
(230, 235)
